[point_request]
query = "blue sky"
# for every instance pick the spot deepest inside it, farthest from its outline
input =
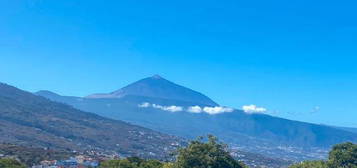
(287, 56)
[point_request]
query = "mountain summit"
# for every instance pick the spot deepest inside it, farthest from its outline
(158, 87)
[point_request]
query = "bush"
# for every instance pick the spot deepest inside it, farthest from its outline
(199, 154)
(310, 164)
(11, 163)
(341, 156)
(132, 162)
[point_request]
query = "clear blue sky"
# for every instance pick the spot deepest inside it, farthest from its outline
(286, 56)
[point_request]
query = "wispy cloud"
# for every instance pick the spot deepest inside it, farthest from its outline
(165, 108)
(145, 104)
(217, 110)
(168, 108)
(194, 109)
(253, 109)
(191, 109)
(315, 109)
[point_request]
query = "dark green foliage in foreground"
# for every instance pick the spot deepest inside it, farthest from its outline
(10, 163)
(341, 156)
(132, 162)
(206, 155)
(310, 164)
(197, 154)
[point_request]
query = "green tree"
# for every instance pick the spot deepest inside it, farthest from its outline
(343, 156)
(135, 161)
(132, 162)
(211, 154)
(168, 165)
(11, 163)
(310, 164)
(151, 164)
(117, 164)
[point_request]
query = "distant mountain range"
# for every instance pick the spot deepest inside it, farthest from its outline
(161, 105)
(30, 120)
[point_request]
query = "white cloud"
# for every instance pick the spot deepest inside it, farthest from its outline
(168, 108)
(165, 108)
(144, 105)
(194, 109)
(209, 110)
(253, 109)
(173, 108)
(191, 109)
(217, 110)
(316, 109)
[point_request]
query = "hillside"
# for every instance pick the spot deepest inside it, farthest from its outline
(31, 155)
(31, 120)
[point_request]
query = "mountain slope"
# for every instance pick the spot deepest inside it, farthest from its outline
(158, 87)
(257, 133)
(31, 120)
(349, 129)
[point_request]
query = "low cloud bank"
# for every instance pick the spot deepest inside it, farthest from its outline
(191, 109)
(217, 110)
(253, 109)
(168, 108)
(144, 105)
(165, 108)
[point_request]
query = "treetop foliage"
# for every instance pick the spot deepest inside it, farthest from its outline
(198, 154)
(11, 163)
(341, 156)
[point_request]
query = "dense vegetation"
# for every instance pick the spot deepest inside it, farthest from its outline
(341, 156)
(197, 154)
(11, 163)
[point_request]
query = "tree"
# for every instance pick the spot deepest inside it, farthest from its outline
(310, 164)
(151, 164)
(168, 165)
(131, 162)
(11, 163)
(212, 154)
(197, 154)
(117, 164)
(343, 156)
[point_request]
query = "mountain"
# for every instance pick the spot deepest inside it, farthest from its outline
(258, 133)
(33, 129)
(158, 87)
(30, 120)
